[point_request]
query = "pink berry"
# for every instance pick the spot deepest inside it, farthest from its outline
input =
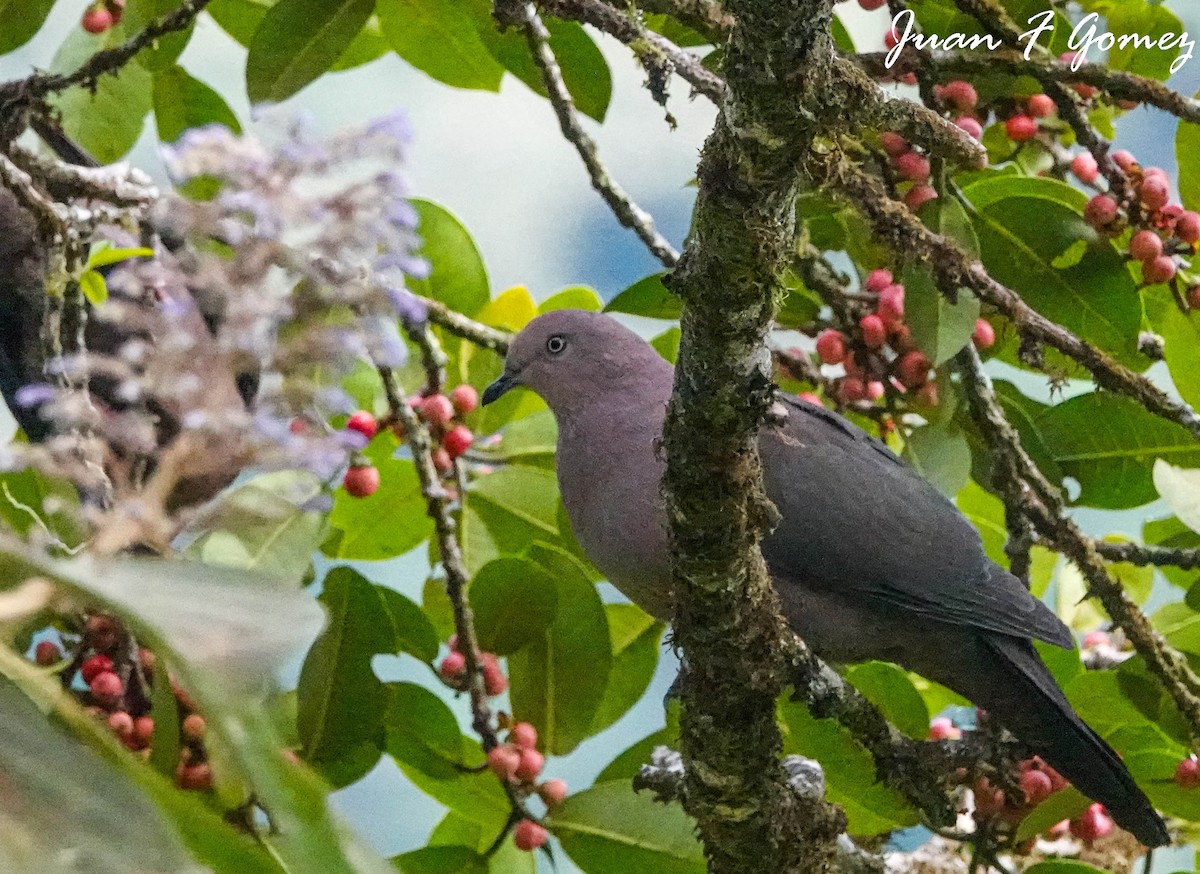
(1187, 774)
(912, 166)
(831, 346)
(913, 369)
(1187, 228)
(1040, 106)
(97, 19)
(465, 399)
(891, 39)
(1085, 168)
(361, 481)
(941, 728)
(94, 666)
(873, 332)
(494, 681)
(1093, 824)
(878, 280)
(852, 388)
(908, 79)
(121, 724)
(1154, 192)
(437, 410)
(107, 687)
(553, 792)
(1145, 245)
(196, 777)
(524, 736)
(919, 195)
(891, 304)
(442, 462)
(1036, 786)
(984, 335)
(1160, 269)
(528, 835)
(503, 761)
(194, 726)
(970, 125)
(1087, 92)
(960, 95)
(1124, 159)
(1021, 128)
(988, 799)
(453, 666)
(143, 729)
(458, 440)
(1101, 211)
(531, 765)
(893, 144)
(874, 390)
(810, 398)
(1093, 639)
(47, 653)
(364, 423)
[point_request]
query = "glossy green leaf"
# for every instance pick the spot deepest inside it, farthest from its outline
(420, 739)
(889, 688)
(1173, 534)
(531, 440)
(103, 254)
(181, 101)
(629, 761)
(514, 601)
(1149, 20)
(647, 297)
(576, 297)
(1187, 145)
(1181, 340)
(239, 18)
(458, 831)
(22, 19)
(939, 328)
(367, 46)
(94, 287)
(164, 51)
(635, 649)
(297, 41)
(611, 828)
(1025, 415)
(1063, 866)
(108, 121)
(1099, 699)
(30, 499)
(441, 860)
(939, 452)
(506, 511)
(1109, 444)
(1064, 804)
(439, 37)
(666, 344)
(1180, 489)
(458, 278)
(557, 681)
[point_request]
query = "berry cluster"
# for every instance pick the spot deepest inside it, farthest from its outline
(116, 689)
(911, 166)
(453, 670)
(880, 352)
(102, 14)
(443, 416)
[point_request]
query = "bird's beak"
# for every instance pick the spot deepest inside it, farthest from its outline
(498, 388)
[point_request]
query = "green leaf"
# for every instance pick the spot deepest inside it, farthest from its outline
(103, 254)
(1025, 414)
(263, 526)
(889, 688)
(239, 18)
(422, 732)
(1064, 804)
(558, 679)
(635, 648)
(940, 453)
(182, 101)
(506, 511)
(93, 286)
(1180, 489)
(441, 860)
(939, 328)
(22, 19)
(458, 278)
(628, 763)
(531, 440)
(1172, 534)
(871, 807)
(439, 37)
(457, 831)
(297, 41)
(666, 344)
(1187, 144)
(367, 46)
(108, 121)
(341, 701)
(1063, 866)
(514, 601)
(30, 499)
(1180, 625)
(1099, 699)
(1109, 444)
(647, 297)
(1181, 340)
(164, 51)
(386, 524)
(611, 828)
(1151, 20)
(576, 297)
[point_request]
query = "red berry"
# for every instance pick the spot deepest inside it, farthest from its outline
(503, 761)
(1124, 159)
(1101, 211)
(988, 799)
(464, 398)
(919, 195)
(810, 398)
(891, 39)
(494, 681)
(1087, 92)
(831, 346)
(1145, 245)
(1085, 168)
(1155, 192)
(913, 369)
(1187, 228)
(893, 144)
(941, 728)
(196, 777)
(47, 653)
(874, 390)
(361, 481)
(970, 125)
(194, 726)
(984, 335)
(437, 410)
(94, 666)
(106, 687)
(1193, 297)
(143, 729)
(524, 735)
(101, 632)
(1096, 638)
(553, 792)
(853, 368)
(1021, 128)
(121, 724)
(528, 835)
(453, 667)
(891, 304)
(442, 462)
(878, 280)
(1036, 786)
(1187, 774)
(1160, 269)
(871, 5)
(1093, 824)
(912, 166)
(852, 388)
(364, 423)
(97, 19)
(1040, 106)
(873, 331)
(453, 642)
(531, 765)
(458, 440)
(960, 95)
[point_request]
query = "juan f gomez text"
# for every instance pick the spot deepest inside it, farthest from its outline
(1086, 36)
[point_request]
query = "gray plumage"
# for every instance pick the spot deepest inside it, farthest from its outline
(869, 560)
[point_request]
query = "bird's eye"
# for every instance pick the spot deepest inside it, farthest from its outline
(555, 344)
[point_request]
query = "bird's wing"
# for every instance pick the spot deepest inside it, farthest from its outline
(856, 517)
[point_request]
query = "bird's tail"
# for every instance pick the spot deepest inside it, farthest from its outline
(1055, 731)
